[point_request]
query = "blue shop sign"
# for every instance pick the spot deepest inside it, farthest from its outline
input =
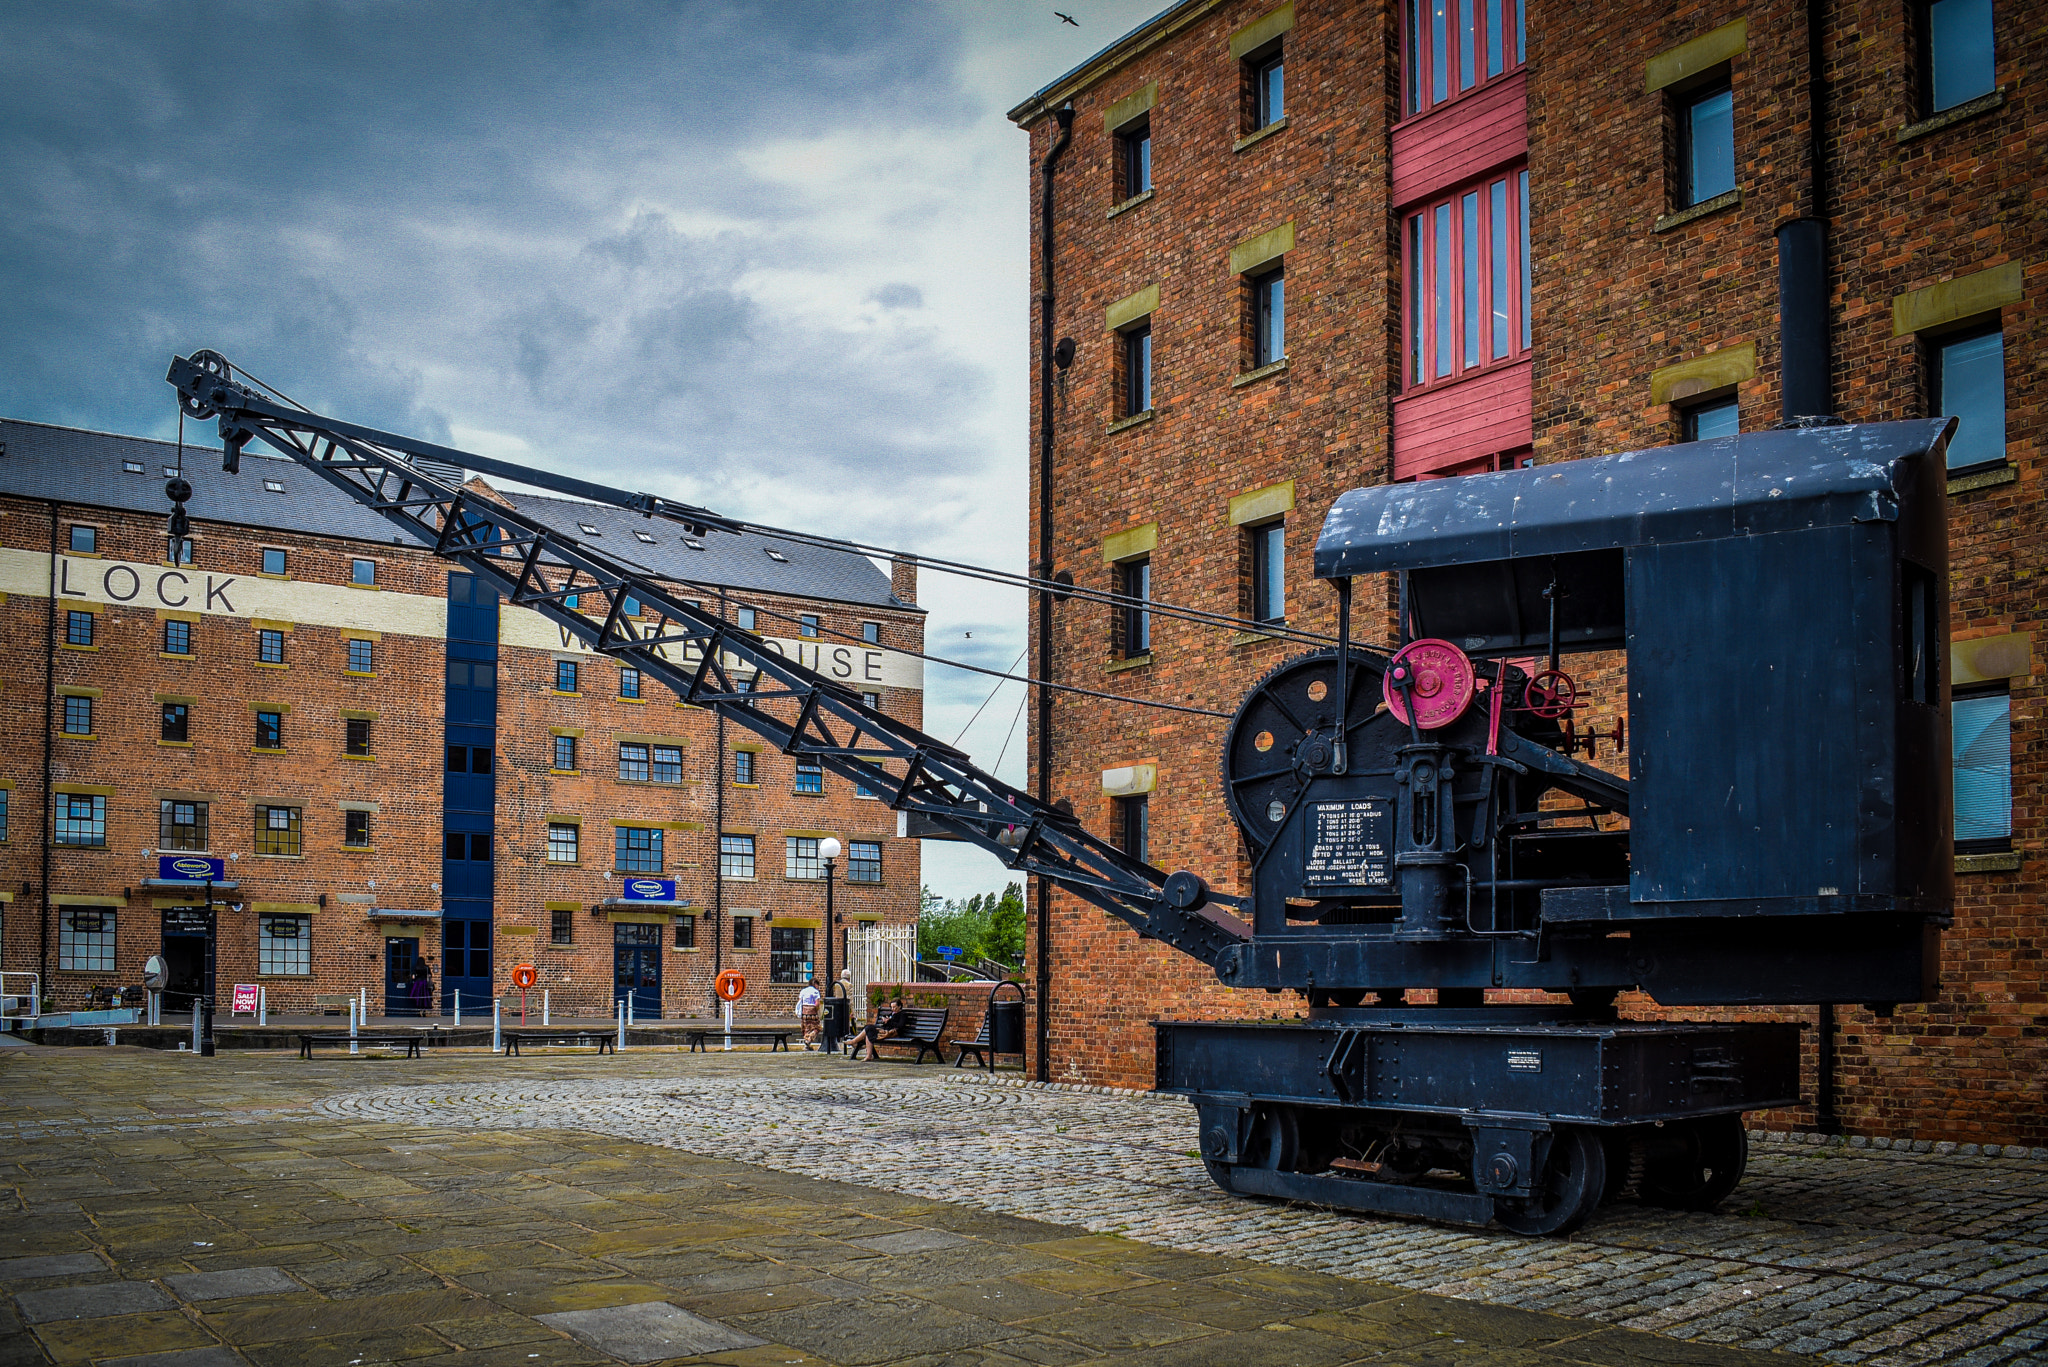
(191, 868)
(649, 890)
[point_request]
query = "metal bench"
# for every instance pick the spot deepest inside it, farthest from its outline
(410, 1042)
(604, 1040)
(926, 1025)
(779, 1038)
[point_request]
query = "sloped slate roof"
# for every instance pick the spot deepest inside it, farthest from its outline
(84, 468)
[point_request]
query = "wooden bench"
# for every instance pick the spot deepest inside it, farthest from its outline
(604, 1040)
(779, 1039)
(410, 1042)
(333, 1003)
(984, 1057)
(926, 1025)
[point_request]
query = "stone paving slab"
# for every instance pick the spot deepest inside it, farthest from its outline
(958, 1220)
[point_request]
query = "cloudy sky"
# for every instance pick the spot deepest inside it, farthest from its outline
(766, 257)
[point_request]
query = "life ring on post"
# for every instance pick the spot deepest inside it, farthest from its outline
(524, 977)
(730, 985)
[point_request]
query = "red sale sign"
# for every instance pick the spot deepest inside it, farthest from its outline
(245, 1000)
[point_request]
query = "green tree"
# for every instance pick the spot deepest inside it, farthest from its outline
(1006, 927)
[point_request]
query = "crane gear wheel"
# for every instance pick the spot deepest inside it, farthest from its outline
(1441, 681)
(1281, 736)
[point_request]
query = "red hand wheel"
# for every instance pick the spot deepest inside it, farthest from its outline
(1550, 694)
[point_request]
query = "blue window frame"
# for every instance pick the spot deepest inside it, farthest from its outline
(1137, 348)
(81, 819)
(1981, 723)
(362, 656)
(810, 776)
(1959, 60)
(1706, 145)
(177, 638)
(1710, 420)
(78, 628)
(639, 849)
(1969, 386)
(1269, 318)
(565, 676)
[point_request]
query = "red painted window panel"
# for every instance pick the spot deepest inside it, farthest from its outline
(1452, 47)
(1477, 135)
(1466, 281)
(1483, 423)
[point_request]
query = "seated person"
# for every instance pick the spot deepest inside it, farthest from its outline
(889, 1023)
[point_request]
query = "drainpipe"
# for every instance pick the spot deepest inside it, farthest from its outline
(718, 837)
(1805, 354)
(49, 725)
(1043, 568)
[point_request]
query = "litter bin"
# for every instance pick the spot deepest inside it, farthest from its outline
(836, 1022)
(1006, 1021)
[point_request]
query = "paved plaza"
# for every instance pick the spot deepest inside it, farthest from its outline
(661, 1206)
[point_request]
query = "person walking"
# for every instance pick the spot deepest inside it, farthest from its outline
(809, 1013)
(421, 992)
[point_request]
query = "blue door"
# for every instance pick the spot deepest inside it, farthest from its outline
(636, 968)
(466, 964)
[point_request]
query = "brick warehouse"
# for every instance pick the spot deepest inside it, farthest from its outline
(398, 772)
(1307, 247)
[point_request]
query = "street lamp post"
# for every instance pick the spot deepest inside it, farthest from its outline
(829, 848)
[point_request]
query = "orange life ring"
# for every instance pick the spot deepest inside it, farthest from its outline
(524, 976)
(730, 985)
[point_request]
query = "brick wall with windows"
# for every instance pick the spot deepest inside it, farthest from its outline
(1646, 156)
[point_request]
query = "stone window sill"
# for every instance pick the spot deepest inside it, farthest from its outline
(66, 645)
(559, 693)
(1134, 662)
(264, 750)
(176, 744)
(1133, 202)
(270, 664)
(1278, 367)
(1250, 140)
(1726, 200)
(361, 759)
(634, 701)
(1982, 479)
(1251, 638)
(1119, 425)
(80, 735)
(1988, 863)
(1948, 118)
(358, 849)
(174, 655)
(360, 673)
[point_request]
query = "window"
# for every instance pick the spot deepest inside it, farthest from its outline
(355, 829)
(589, 530)
(85, 939)
(362, 656)
(273, 486)
(633, 762)
(1136, 816)
(1134, 620)
(177, 723)
(735, 856)
(871, 633)
(565, 676)
(629, 682)
(645, 537)
(469, 759)
(356, 737)
(1134, 158)
(800, 858)
(77, 716)
(1982, 724)
(285, 946)
(270, 730)
(85, 540)
(1267, 547)
(78, 628)
(810, 776)
(561, 925)
(81, 819)
(742, 766)
(871, 701)
(131, 467)
(871, 787)
(269, 646)
(1969, 385)
(639, 849)
(807, 624)
(742, 932)
(1710, 420)
(1268, 74)
(562, 842)
(470, 846)
(686, 932)
(182, 552)
(1706, 145)
(362, 571)
(863, 861)
(3, 816)
(789, 954)
(278, 831)
(177, 638)
(273, 561)
(1958, 56)
(565, 754)
(1453, 45)
(180, 825)
(668, 764)
(1468, 280)
(1269, 318)
(744, 618)
(1137, 356)
(777, 556)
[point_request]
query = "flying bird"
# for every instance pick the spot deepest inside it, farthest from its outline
(1067, 18)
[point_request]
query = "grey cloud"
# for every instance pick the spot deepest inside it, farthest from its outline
(899, 296)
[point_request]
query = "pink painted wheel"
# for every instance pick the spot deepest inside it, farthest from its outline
(1550, 694)
(1440, 678)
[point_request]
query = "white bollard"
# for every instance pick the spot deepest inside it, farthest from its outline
(458, 1008)
(622, 1025)
(353, 1022)
(497, 1026)
(544, 1009)
(728, 1027)
(629, 1010)
(195, 1026)
(364, 1014)
(263, 1004)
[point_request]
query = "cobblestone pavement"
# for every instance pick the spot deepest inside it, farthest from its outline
(1852, 1256)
